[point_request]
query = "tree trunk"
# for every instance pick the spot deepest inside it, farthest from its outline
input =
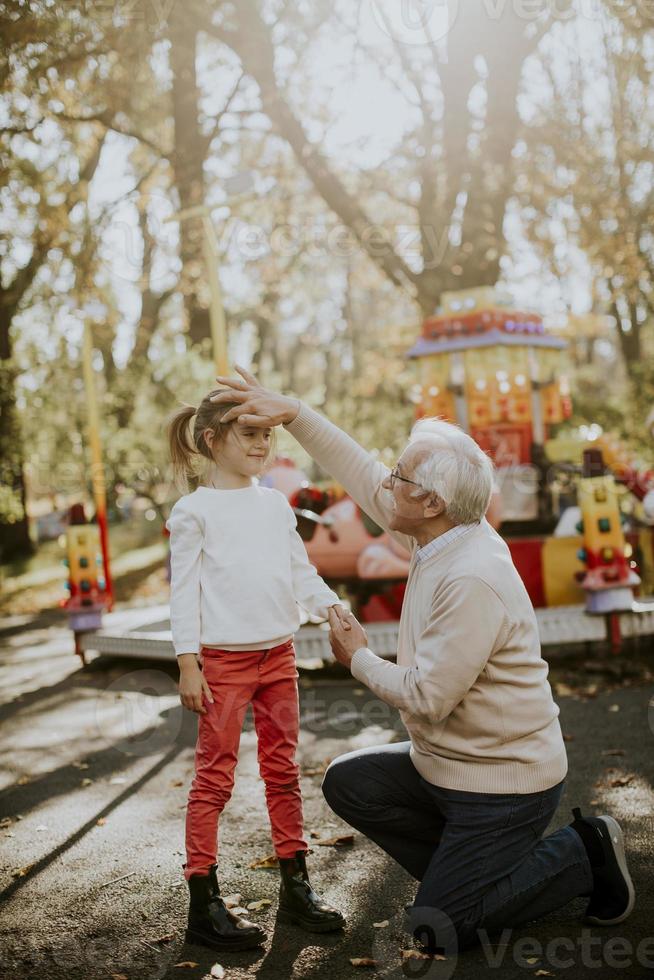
(629, 339)
(15, 541)
(188, 159)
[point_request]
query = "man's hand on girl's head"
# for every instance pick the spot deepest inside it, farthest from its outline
(257, 406)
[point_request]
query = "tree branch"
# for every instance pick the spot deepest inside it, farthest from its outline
(250, 41)
(107, 119)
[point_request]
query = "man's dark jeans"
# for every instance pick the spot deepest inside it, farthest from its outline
(479, 857)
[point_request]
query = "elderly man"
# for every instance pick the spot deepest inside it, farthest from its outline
(463, 804)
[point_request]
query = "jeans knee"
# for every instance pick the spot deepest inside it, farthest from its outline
(207, 790)
(330, 786)
(280, 785)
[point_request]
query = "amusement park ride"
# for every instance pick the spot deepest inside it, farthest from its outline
(576, 512)
(497, 373)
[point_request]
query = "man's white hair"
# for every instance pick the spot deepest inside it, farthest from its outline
(456, 470)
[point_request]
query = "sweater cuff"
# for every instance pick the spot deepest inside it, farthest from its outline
(323, 604)
(183, 646)
(362, 661)
(305, 423)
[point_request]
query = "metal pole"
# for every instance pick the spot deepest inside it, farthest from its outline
(97, 469)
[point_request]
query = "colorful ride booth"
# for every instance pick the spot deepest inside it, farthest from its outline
(568, 506)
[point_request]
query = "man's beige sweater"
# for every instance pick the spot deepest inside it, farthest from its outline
(469, 682)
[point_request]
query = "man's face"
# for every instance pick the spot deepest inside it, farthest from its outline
(408, 512)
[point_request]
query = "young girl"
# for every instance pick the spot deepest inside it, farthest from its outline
(238, 570)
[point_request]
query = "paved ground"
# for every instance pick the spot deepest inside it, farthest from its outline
(97, 764)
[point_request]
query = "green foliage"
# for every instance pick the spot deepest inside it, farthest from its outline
(94, 162)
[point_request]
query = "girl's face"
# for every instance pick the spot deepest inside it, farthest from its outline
(244, 450)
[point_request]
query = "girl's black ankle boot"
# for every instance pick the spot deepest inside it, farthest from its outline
(298, 903)
(211, 923)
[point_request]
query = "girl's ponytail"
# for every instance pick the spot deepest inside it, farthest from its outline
(182, 447)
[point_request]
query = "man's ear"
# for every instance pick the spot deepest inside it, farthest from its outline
(434, 506)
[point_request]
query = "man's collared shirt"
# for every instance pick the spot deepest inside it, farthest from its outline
(433, 547)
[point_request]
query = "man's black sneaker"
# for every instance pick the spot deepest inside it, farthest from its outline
(613, 896)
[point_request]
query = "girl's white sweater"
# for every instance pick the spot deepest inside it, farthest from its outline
(238, 570)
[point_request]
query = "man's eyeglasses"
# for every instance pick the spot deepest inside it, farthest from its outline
(394, 475)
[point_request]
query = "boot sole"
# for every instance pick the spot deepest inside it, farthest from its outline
(199, 939)
(294, 919)
(618, 847)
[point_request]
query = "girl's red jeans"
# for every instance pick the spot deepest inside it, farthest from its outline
(267, 679)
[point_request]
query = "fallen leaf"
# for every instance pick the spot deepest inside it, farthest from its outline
(80, 765)
(416, 954)
(614, 707)
(362, 961)
(177, 782)
(21, 872)
(621, 781)
(594, 802)
(260, 904)
(189, 963)
(86, 781)
(532, 959)
(232, 900)
(313, 772)
(563, 690)
(217, 971)
(119, 976)
(23, 780)
(568, 738)
(342, 840)
(543, 973)
(269, 861)
(166, 938)
(380, 925)
(613, 752)
(101, 821)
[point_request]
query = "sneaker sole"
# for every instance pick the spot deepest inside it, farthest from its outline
(617, 839)
(198, 939)
(297, 920)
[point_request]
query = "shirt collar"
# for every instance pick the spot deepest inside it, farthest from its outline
(434, 547)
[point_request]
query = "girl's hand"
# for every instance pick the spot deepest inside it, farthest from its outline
(345, 643)
(257, 405)
(342, 616)
(192, 686)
